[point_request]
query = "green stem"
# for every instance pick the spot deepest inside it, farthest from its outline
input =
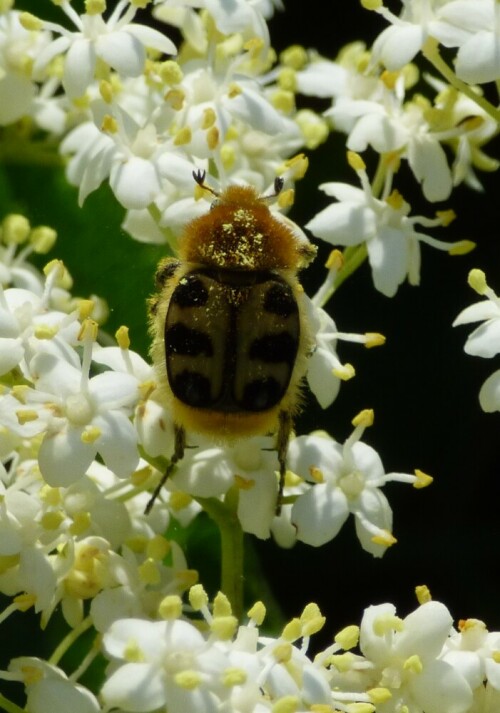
(353, 258)
(10, 707)
(232, 547)
(69, 640)
(431, 53)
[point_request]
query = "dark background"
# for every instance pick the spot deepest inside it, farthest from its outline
(421, 384)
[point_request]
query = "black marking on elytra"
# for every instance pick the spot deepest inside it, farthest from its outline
(261, 394)
(190, 292)
(280, 300)
(192, 389)
(274, 348)
(185, 341)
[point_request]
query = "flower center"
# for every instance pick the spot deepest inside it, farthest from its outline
(79, 409)
(352, 484)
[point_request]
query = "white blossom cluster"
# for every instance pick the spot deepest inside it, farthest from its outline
(83, 437)
(388, 664)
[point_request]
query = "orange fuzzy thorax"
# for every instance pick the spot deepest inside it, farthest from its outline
(239, 232)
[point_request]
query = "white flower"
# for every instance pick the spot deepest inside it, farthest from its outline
(118, 42)
(472, 651)
(135, 158)
(448, 22)
(406, 654)
(91, 416)
(250, 464)
(478, 57)
(347, 479)
(28, 326)
(18, 49)
(325, 371)
(392, 237)
(247, 17)
(484, 341)
(166, 664)
(49, 689)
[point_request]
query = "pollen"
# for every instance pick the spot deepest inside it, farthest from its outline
(234, 90)
(384, 538)
(477, 280)
(287, 704)
(462, 247)
(348, 638)
(222, 606)
(287, 79)
(294, 56)
(25, 601)
(224, 627)
(15, 229)
(122, 337)
(423, 594)
(183, 136)
(170, 72)
(175, 98)
(90, 434)
(355, 161)
(414, 664)
(148, 572)
(234, 677)
(212, 138)
(170, 607)
(386, 623)
(389, 78)
(109, 125)
(189, 680)
(244, 483)
(423, 480)
(364, 418)
(30, 22)
(283, 652)
(42, 238)
(106, 91)
(52, 520)
(158, 548)
(296, 166)
(26, 415)
(344, 372)
(374, 339)
(179, 500)
(81, 523)
(95, 7)
(257, 613)
(132, 652)
(198, 598)
(44, 331)
(292, 631)
(379, 695)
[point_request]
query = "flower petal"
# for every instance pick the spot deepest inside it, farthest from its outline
(63, 457)
(319, 514)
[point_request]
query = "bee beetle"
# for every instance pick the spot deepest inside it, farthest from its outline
(230, 334)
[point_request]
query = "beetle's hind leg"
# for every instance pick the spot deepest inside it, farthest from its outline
(285, 424)
(179, 448)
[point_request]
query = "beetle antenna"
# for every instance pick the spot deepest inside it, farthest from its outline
(199, 176)
(279, 182)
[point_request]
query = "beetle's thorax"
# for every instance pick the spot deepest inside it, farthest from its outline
(239, 232)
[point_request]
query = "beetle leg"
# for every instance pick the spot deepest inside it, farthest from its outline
(283, 437)
(180, 445)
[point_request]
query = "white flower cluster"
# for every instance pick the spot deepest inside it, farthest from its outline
(419, 664)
